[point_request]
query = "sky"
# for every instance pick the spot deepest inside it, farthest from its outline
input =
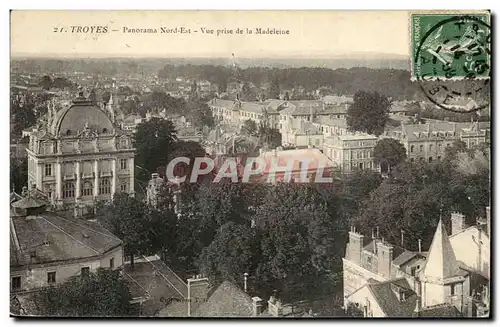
(311, 33)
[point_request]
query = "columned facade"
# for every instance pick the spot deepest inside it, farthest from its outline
(80, 155)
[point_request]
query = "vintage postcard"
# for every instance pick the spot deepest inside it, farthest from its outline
(265, 164)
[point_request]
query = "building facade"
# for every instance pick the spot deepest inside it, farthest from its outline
(428, 142)
(79, 155)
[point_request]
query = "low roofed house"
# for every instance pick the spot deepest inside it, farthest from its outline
(46, 249)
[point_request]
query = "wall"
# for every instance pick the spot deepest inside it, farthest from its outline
(37, 276)
(356, 276)
(361, 296)
(466, 249)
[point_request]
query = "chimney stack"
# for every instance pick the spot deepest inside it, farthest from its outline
(256, 306)
(457, 222)
(419, 245)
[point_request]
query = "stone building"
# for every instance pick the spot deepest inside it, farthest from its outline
(47, 249)
(79, 155)
(450, 279)
(428, 142)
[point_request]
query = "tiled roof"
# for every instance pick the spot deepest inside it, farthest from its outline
(147, 281)
(388, 300)
(53, 238)
(228, 300)
(404, 257)
(442, 310)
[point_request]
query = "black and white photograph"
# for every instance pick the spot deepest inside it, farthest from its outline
(250, 164)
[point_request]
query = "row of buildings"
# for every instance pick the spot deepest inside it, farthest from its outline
(322, 124)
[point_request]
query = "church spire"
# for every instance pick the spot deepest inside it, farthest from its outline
(441, 261)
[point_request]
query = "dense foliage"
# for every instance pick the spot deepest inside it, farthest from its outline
(98, 294)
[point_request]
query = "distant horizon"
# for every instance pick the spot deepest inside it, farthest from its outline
(347, 55)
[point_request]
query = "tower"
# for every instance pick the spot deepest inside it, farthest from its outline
(110, 107)
(442, 279)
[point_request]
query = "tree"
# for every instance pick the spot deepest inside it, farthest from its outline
(299, 249)
(249, 127)
(46, 82)
(200, 114)
(230, 254)
(18, 173)
(368, 113)
(154, 141)
(389, 152)
(247, 94)
(274, 89)
(269, 137)
(23, 117)
(142, 230)
(103, 293)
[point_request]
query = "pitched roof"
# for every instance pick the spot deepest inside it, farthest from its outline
(404, 257)
(228, 300)
(388, 300)
(147, 281)
(441, 310)
(441, 262)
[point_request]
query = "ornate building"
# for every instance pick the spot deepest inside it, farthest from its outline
(79, 154)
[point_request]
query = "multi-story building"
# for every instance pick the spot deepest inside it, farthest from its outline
(79, 155)
(427, 142)
(385, 280)
(46, 249)
(351, 151)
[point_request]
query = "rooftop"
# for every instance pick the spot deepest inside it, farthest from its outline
(48, 237)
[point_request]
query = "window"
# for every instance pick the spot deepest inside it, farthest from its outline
(48, 170)
(104, 186)
(412, 148)
(123, 164)
(452, 289)
(123, 187)
(112, 263)
(104, 130)
(430, 147)
(51, 277)
(439, 146)
(69, 190)
(421, 159)
(412, 159)
(430, 159)
(16, 283)
(85, 271)
(439, 158)
(413, 271)
(421, 148)
(68, 132)
(87, 189)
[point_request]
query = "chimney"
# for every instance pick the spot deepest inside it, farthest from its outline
(198, 288)
(419, 245)
(354, 247)
(457, 222)
(257, 306)
(384, 254)
(274, 306)
(245, 279)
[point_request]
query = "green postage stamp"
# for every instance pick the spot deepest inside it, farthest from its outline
(450, 46)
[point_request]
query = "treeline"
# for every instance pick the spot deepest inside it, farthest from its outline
(391, 82)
